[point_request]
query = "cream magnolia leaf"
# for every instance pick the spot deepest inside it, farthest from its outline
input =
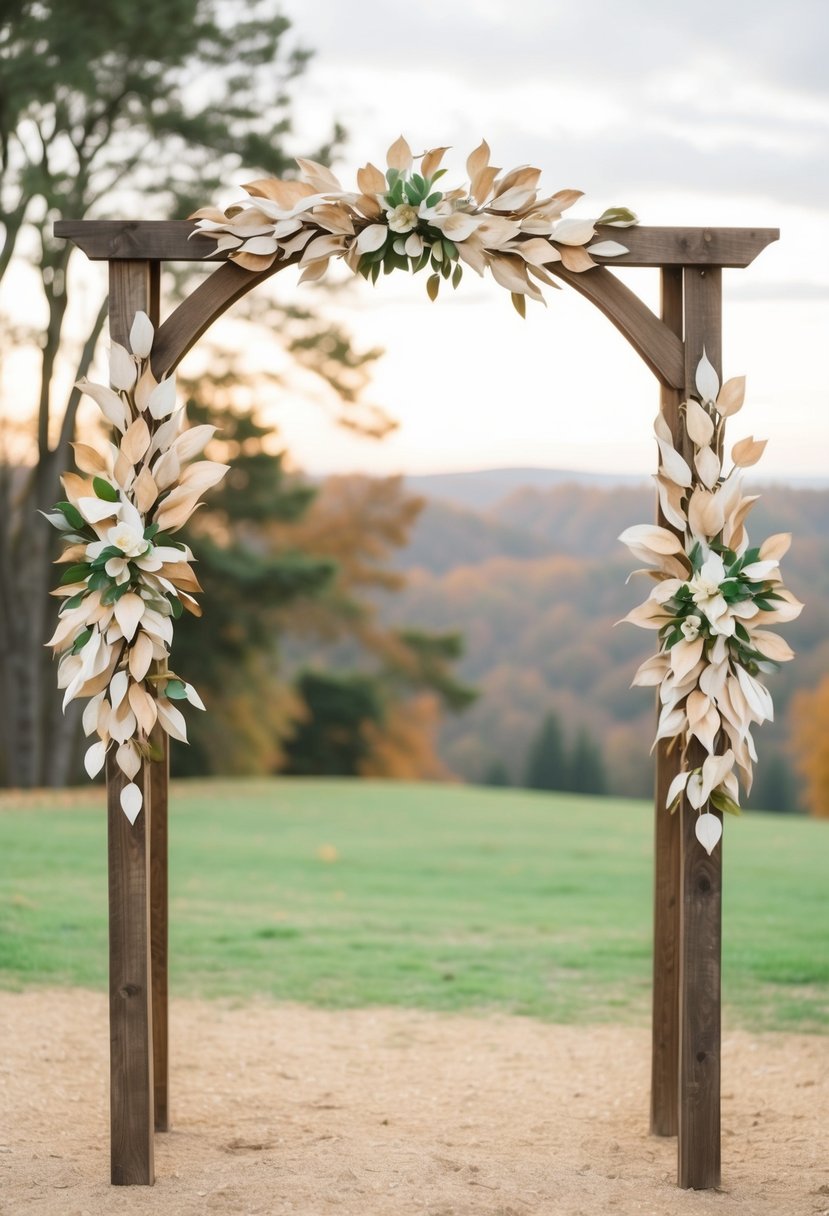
(88, 460)
(128, 760)
(122, 369)
(140, 657)
(109, 403)
(94, 758)
(141, 335)
(129, 610)
(707, 464)
(707, 380)
(708, 830)
(131, 801)
(162, 400)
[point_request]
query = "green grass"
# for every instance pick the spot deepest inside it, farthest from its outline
(443, 897)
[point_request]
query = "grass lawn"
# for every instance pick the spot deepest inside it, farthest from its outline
(344, 893)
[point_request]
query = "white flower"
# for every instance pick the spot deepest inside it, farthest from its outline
(128, 539)
(706, 594)
(402, 218)
(691, 627)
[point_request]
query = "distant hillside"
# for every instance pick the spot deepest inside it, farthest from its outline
(483, 488)
(535, 582)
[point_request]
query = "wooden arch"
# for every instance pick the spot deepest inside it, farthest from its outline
(685, 1076)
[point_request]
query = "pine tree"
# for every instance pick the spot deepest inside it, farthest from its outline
(547, 767)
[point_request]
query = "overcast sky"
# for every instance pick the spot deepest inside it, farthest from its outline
(709, 113)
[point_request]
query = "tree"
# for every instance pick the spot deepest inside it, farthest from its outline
(331, 739)
(585, 771)
(547, 767)
(118, 107)
(810, 731)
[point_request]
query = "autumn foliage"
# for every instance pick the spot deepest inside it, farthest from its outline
(810, 744)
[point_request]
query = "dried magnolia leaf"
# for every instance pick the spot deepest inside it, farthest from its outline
(731, 396)
(748, 451)
(136, 440)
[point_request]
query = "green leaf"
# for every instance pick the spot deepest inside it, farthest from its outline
(114, 592)
(72, 514)
(150, 531)
(76, 600)
(104, 490)
(433, 286)
(519, 303)
(392, 176)
(450, 248)
(439, 173)
(375, 272)
(177, 608)
(74, 574)
(457, 275)
(81, 640)
(99, 580)
(175, 690)
(434, 199)
(723, 802)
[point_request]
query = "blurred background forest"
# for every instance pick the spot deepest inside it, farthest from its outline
(440, 628)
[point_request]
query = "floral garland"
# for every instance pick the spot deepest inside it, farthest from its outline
(401, 220)
(126, 579)
(714, 597)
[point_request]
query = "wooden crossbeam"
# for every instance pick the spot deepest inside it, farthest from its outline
(171, 240)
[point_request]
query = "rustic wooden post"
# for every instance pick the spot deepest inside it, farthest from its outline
(159, 785)
(701, 876)
(133, 285)
(665, 1023)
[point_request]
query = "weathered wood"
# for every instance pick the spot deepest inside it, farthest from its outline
(130, 1017)
(168, 240)
(667, 829)
(132, 286)
(195, 314)
(698, 1165)
(649, 336)
(159, 914)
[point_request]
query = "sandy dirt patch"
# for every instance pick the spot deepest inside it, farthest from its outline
(281, 1109)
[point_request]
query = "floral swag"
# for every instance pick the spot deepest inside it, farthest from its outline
(402, 220)
(714, 597)
(127, 580)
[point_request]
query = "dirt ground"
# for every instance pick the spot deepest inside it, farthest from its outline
(387, 1112)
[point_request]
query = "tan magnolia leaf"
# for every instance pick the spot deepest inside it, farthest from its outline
(167, 469)
(399, 155)
(124, 471)
(684, 656)
(698, 423)
(143, 706)
(368, 206)
(140, 656)
(707, 464)
(431, 161)
(203, 475)
(172, 719)
(370, 180)
(253, 261)
(776, 546)
(574, 258)
(319, 176)
(706, 516)
(193, 441)
(771, 646)
(480, 187)
(145, 490)
(88, 460)
(173, 515)
(731, 396)
(127, 757)
(136, 440)
(748, 451)
(478, 160)
(181, 576)
(286, 194)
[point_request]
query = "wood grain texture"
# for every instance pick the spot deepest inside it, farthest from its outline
(159, 932)
(170, 240)
(130, 1015)
(132, 286)
(698, 1157)
(667, 828)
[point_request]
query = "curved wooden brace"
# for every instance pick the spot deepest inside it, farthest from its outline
(651, 338)
(657, 345)
(196, 314)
